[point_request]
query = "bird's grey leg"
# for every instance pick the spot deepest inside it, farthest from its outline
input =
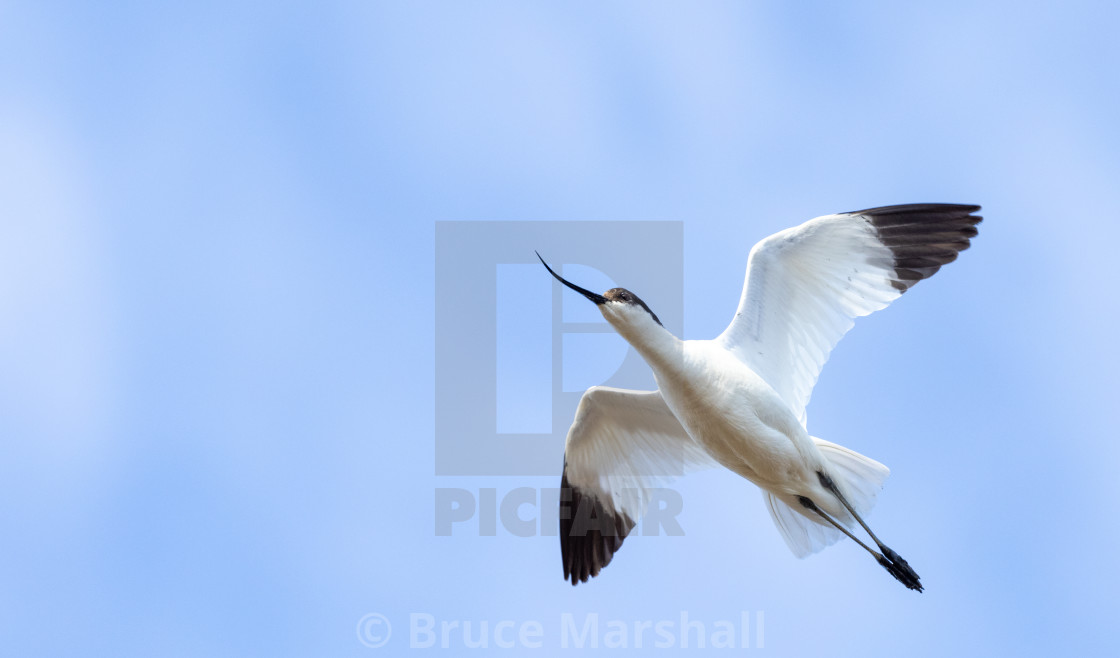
(902, 565)
(809, 504)
(828, 483)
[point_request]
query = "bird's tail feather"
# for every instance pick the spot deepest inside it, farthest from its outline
(859, 477)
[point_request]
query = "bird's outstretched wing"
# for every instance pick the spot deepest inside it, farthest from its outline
(621, 445)
(807, 284)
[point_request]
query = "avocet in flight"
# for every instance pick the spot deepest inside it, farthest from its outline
(739, 400)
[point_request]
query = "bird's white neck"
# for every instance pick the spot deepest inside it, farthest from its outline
(657, 345)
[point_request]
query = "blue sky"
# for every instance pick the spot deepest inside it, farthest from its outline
(217, 228)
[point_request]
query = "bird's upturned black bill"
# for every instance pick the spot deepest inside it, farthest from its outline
(598, 299)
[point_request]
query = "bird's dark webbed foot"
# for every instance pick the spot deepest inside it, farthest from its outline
(900, 569)
(890, 560)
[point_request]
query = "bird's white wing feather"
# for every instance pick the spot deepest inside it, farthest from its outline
(806, 285)
(621, 445)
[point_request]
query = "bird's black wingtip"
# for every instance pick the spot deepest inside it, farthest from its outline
(922, 237)
(952, 209)
(590, 532)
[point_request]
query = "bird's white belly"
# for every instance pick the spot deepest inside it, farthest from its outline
(741, 422)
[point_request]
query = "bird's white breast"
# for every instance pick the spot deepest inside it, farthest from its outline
(737, 417)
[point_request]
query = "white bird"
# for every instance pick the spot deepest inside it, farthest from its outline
(739, 400)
